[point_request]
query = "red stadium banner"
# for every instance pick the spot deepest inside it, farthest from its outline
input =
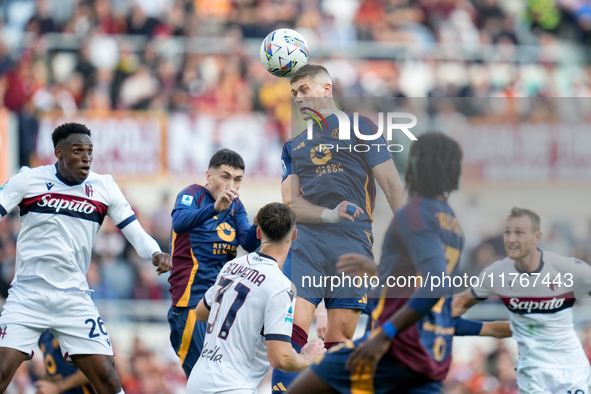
(125, 143)
(144, 145)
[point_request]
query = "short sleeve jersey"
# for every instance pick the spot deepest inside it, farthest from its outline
(208, 240)
(540, 307)
(251, 302)
(425, 238)
(333, 170)
(59, 222)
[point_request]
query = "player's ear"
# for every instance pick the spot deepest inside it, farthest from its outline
(259, 233)
(327, 90)
(208, 175)
(58, 153)
(294, 235)
(538, 236)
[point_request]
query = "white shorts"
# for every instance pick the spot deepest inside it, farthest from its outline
(33, 306)
(535, 380)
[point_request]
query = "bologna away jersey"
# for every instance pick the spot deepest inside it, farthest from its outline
(59, 222)
(251, 302)
(540, 308)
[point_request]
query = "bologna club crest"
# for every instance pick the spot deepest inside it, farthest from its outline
(89, 190)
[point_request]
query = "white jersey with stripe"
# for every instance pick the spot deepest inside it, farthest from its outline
(59, 222)
(540, 307)
(251, 302)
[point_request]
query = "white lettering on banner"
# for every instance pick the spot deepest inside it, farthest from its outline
(126, 145)
(192, 141)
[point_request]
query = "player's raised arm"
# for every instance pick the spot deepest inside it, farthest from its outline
(246, 232)
(187, 214)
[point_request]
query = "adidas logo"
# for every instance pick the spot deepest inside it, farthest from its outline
(279, 387)
(301, 145)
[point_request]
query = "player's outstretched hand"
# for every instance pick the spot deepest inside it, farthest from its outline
(355, 264)
(225, 199)
(46, 387)
(312, 350)
(367, 355)
(162, 261)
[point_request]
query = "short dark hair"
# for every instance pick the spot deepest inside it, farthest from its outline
(276, 220)
(433, 166)
(311, 71)
(227, 157)
(63, 131)
(533, 217)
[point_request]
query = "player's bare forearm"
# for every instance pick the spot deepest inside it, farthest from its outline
(366, 356)
(201, 312)
(74, 380)
(282, 356)
(307, 212)
(498, 329)
(404, 318)
(389, 181)
(462, 302)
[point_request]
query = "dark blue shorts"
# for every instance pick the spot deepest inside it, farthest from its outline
(186, 336)
(389, 377)
(311, 265)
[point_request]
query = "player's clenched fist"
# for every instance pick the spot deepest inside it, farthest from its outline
(225, 199)
(162, 261)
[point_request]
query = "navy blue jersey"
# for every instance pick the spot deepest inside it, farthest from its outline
(55, 365)
(424, 238)
(329, 176)
(202, 241)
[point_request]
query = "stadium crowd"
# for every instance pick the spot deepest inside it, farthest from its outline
(196, 56)
(201, 56)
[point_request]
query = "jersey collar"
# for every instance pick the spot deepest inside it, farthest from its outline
(539, 269)
(265, 256)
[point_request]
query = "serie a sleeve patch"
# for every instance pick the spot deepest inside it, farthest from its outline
(187, 200)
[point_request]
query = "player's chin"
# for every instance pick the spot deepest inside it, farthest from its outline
(305, 115)
(82, 174)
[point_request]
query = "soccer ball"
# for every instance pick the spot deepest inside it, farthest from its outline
(283, 52)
